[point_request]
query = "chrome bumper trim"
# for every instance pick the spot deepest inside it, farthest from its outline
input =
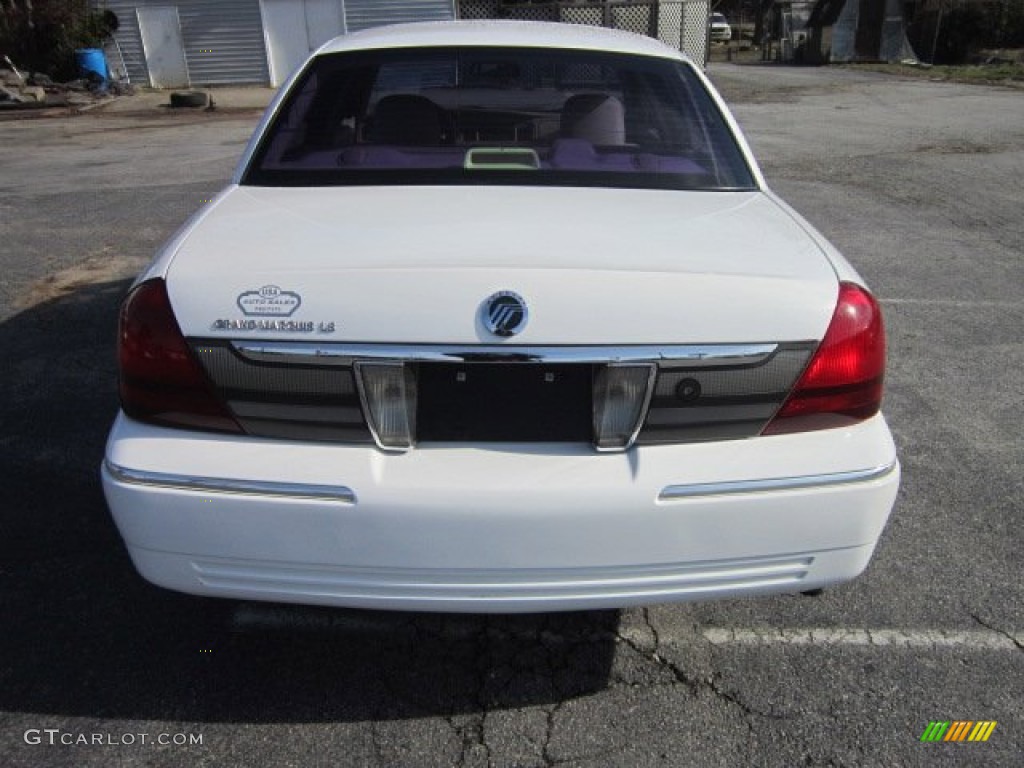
(673, 492)
(696, 355)
(338, 493)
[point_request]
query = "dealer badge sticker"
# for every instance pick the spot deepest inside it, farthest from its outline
(269, 301)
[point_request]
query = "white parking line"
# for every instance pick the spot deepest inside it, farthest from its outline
(273, 617)
(935, 639)
(994, 303)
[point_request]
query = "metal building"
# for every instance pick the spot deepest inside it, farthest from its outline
(180, 43)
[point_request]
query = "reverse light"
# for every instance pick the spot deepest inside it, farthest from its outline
(842, 384)
(160, 380)
(621, 396)
(388, 394)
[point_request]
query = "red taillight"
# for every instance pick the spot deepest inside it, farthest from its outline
(160, 380)
(843, 382)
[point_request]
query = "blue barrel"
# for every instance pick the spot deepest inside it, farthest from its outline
(91, 60)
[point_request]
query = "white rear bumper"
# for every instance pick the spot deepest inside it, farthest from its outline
(499, 528)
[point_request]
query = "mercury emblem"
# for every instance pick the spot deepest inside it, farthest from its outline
(505, 314)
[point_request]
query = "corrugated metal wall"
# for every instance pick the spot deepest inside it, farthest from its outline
(361, 14)
(223, 39)
(129, 38)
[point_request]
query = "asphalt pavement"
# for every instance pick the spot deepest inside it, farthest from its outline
(918, 183)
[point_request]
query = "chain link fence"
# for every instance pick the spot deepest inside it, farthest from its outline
(681, 24)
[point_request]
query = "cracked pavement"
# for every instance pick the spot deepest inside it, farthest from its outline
(918, 183)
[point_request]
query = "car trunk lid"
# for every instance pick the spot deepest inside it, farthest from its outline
(416, 264)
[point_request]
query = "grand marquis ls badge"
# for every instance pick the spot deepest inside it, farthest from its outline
(505, 314)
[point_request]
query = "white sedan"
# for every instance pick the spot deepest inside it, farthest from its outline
(499, 317)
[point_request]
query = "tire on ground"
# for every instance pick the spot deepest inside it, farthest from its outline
(189, 99)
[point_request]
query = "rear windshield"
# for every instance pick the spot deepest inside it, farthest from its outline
(499, 115)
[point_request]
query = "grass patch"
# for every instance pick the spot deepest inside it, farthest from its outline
(999, 74)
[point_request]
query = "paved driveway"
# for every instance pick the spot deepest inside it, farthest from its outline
(918, 183)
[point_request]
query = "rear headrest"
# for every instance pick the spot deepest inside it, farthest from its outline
(596, 117)
(407, 119)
